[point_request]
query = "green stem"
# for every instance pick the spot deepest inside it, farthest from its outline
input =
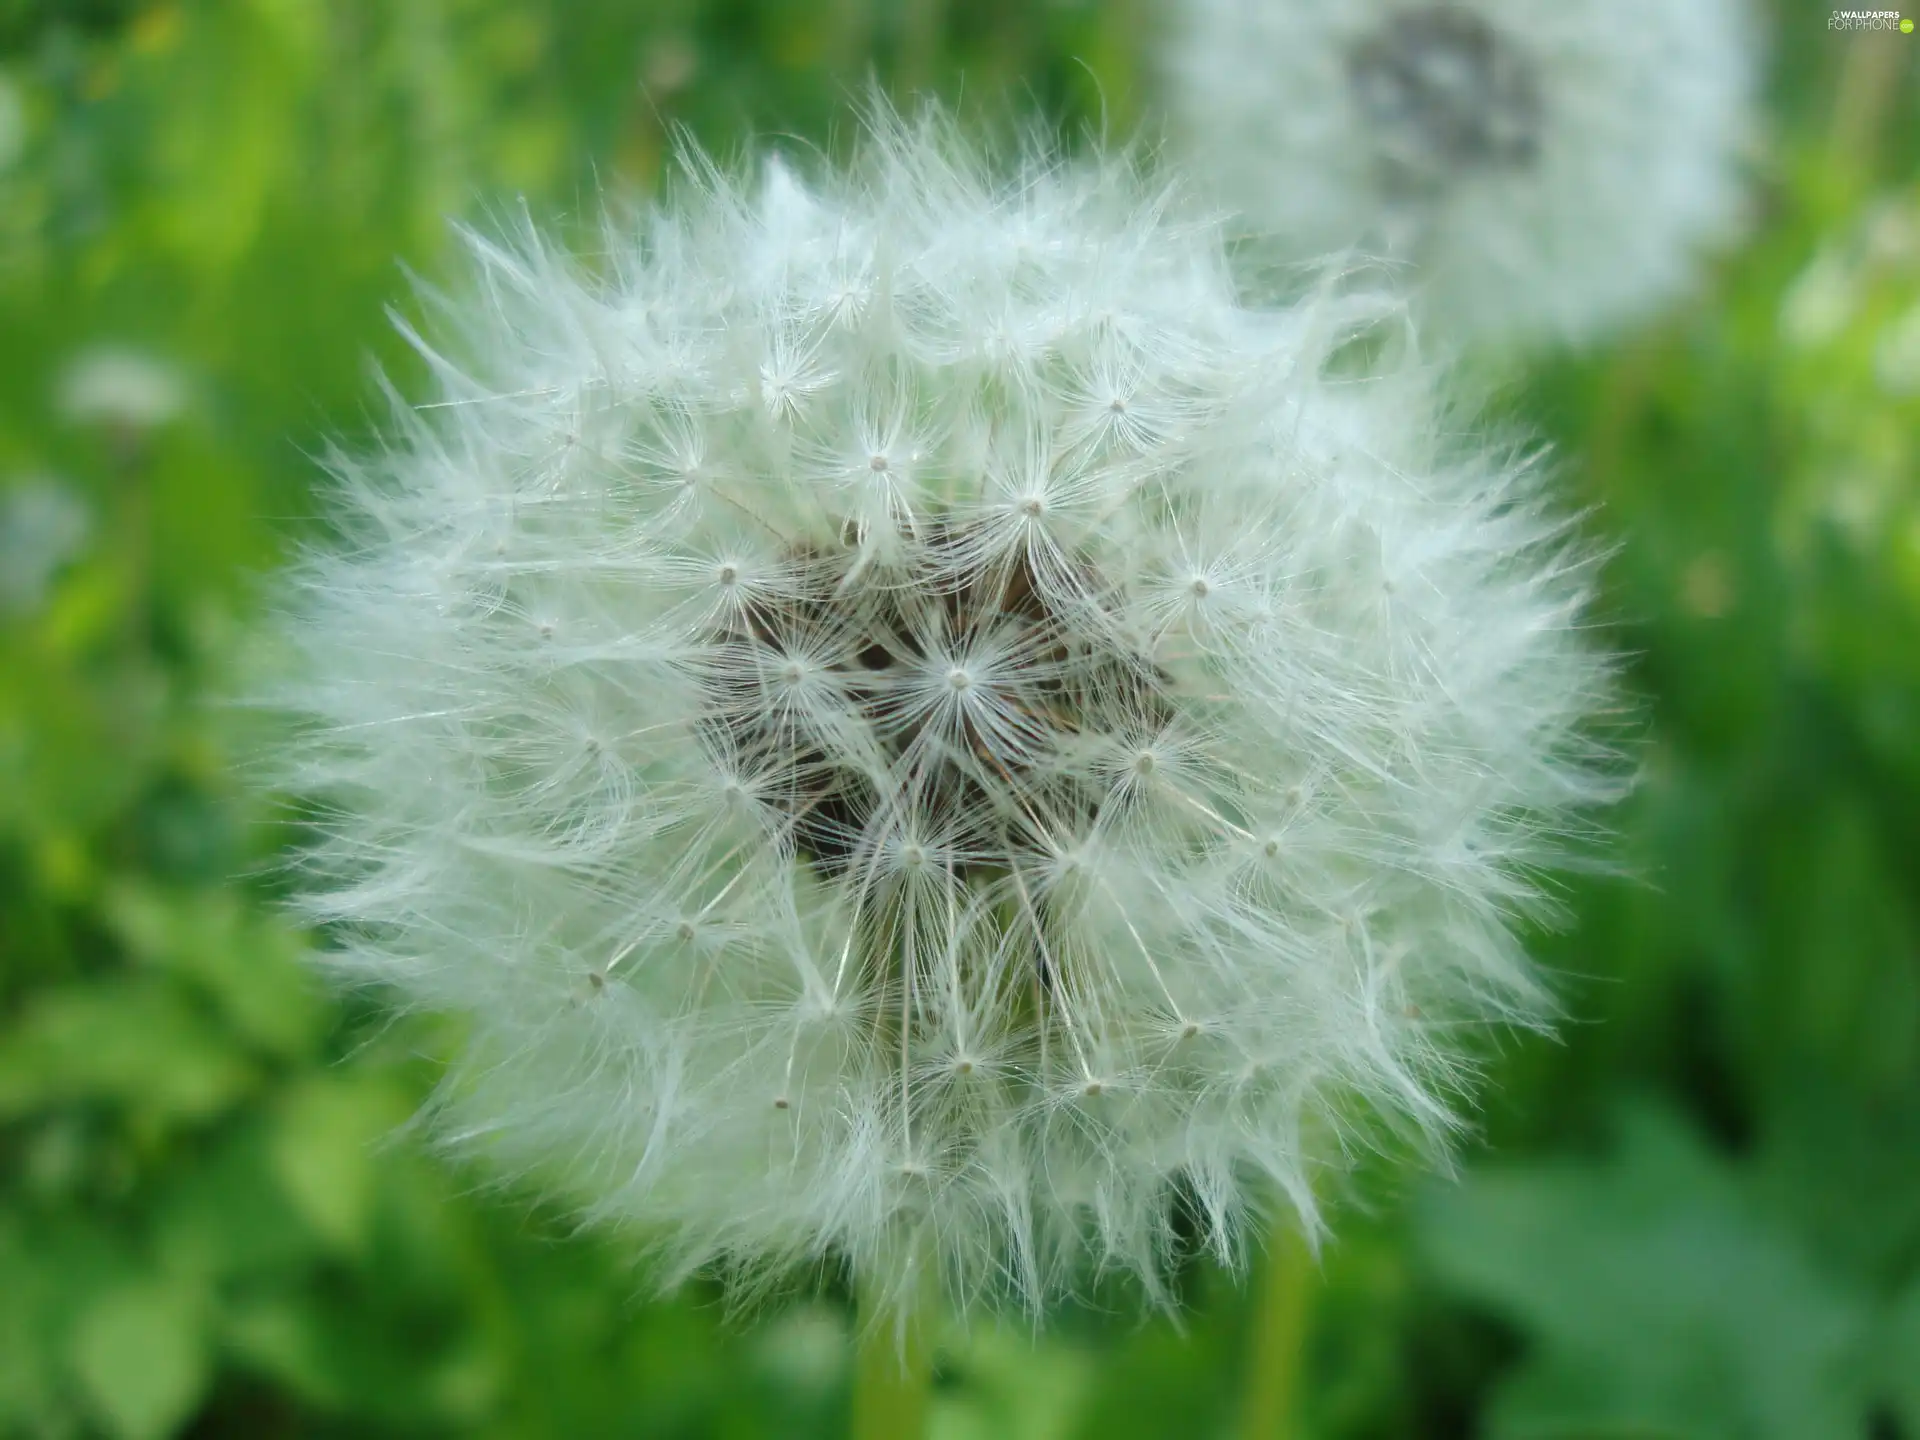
(1286, 1278)
(893, 1369)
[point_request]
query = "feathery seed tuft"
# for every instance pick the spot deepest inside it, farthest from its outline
(917, 728)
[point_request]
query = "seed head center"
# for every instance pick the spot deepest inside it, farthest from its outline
(1444, 93)
(853, 748)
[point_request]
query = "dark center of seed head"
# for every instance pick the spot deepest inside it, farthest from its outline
(1443, 93)
(881, 642)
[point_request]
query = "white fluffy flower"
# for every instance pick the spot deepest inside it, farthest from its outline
(918, 730)
(119, 386)
(1550, 167)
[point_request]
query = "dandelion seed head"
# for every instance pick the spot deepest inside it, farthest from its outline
(980, 811)
(1546, 172)
(1443, 92)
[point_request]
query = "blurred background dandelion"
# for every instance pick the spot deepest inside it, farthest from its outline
(1696, 1214)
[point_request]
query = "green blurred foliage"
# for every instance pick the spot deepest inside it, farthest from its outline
(1697, 1215)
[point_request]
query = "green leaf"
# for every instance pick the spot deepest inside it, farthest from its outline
(323, 1151)
(244, 963)
(135, 1042)
(26, 1366)
(52, 1271)
(1898, 1357)
(1656, 1298)
(227, 1218)
(371, 1354)
(141, 1353)
(289, 1341)
(1015, 1391)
